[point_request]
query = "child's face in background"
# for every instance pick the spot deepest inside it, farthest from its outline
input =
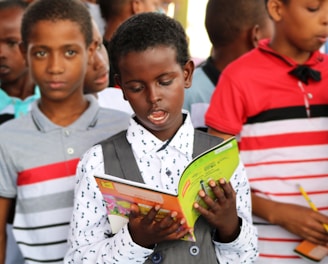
(153, 82)
(301, 25)
(148, 5)
(57, 56)
(12, 63)
(96, 78)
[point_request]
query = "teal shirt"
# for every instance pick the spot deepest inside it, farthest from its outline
(17, 106)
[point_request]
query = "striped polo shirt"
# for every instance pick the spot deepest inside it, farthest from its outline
(282, 126)
(38, 162)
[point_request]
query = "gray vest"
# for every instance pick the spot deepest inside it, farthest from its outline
(119, 161)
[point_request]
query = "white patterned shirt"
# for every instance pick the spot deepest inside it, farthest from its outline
(90, 237)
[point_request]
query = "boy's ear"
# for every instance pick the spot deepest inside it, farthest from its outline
(91, 52)
(117, 79)
(255, 35)
(188, 71)
(275, 9)
(23, 50)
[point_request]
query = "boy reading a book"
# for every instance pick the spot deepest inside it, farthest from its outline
(153, 67)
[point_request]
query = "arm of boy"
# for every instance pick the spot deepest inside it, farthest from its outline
(299, 220)
(90, 236)
(147, 232)
(5, 205)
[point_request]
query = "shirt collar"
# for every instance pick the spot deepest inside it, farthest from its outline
(86, 120)
(6, 100)
(143, 142)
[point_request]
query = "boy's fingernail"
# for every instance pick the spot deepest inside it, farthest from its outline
(212, 183)
(174, 214)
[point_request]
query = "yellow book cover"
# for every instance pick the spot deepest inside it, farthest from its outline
(218, 162)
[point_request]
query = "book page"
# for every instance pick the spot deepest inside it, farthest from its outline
(219, 162)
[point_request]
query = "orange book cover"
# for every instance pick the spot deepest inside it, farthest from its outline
(311, 251)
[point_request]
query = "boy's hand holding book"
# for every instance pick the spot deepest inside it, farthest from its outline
(147, 230)
(220, 211)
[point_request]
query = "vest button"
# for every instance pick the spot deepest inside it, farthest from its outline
(156, 258)
(194, 250)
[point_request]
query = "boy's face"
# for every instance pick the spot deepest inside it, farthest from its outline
(151, 5)
(97, 78)
(153, 83)
(301, 25)
(12, 63)
(57, 56)
(141, 6)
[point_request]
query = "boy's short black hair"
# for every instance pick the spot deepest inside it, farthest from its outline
(57, 10)
(147, 30)
(5, 4)
(225, 20)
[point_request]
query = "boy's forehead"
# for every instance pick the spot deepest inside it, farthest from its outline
(56, 33)
(13, 15)
(10, 24)
(167, 50)
(148, 63)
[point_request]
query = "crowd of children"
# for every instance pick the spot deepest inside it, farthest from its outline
(264, 83)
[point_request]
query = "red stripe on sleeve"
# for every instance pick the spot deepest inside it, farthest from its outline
(47, 172)
(284, 140)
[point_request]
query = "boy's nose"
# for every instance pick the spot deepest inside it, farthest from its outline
(99, 62)
(2, 50)
(153, 94)
(55, 65)
(324, 17)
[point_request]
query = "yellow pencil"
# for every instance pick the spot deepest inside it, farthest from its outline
(312, 205)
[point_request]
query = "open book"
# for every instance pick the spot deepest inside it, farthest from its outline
(218, 162)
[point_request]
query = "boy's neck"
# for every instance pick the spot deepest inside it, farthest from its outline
(63, 113)
(224, 55)
(297, 55)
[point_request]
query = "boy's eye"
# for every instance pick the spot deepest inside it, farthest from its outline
(70, 53)
(99, 46)
(313, 9)
(165, 82)
(40, 54)
(12, 43)
(134, 89)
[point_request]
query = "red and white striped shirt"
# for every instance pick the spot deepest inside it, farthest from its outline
(282, 126)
